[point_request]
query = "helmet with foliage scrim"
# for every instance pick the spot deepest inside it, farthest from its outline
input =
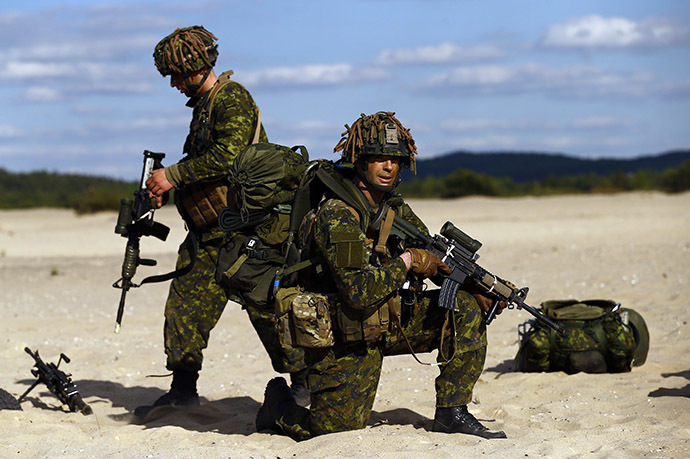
(377, 134)
(185, 51)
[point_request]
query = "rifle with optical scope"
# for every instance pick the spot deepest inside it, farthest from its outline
(459, 251)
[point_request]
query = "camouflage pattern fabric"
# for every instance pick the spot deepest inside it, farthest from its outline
(194, 306)
(195, 301)
(213, 143)
(343, 379)
(283, 358)
(587, 346)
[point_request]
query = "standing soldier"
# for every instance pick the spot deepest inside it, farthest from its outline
(376, 298)
(225, 120)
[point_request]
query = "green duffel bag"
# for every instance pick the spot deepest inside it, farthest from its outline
(600, 337)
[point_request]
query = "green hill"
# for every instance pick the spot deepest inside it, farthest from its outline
(453, 175)
(529, 166)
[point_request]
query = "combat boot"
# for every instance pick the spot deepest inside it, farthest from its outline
(278, 400)
(299, 389)
(458, 419)
(182, 393)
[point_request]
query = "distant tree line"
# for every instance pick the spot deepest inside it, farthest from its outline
(86, 194)
(464, 182)
(82, 193)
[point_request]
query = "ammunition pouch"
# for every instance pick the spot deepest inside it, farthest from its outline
(366, 324)
(201, 202)
(303, 318)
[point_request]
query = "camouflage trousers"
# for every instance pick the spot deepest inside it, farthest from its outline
(343, 379)
(194, 306)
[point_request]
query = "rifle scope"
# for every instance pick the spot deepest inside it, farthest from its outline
(451, 232)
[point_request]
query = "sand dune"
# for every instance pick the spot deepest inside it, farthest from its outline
(56, 271)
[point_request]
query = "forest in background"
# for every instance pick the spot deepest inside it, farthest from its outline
(464, 182)
(669, 172)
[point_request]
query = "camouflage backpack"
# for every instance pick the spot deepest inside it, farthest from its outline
(600, 337)
(262, 181)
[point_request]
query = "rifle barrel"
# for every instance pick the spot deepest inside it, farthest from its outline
(541, 317)
(121, 308)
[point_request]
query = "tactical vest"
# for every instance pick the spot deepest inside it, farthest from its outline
(200, 203)
(351, 324)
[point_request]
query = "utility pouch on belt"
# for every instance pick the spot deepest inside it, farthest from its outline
(202, 202)
(303, 318)
(367, 324)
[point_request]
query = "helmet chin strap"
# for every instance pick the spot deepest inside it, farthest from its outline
(194, 88)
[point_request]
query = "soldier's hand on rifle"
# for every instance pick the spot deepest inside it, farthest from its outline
(425, 263)
(485, 302)
(157, 185)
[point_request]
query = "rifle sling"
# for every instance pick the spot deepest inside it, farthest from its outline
(178, 272)
(449, 313)
(385, 231)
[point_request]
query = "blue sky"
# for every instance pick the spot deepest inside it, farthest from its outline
(610, 78)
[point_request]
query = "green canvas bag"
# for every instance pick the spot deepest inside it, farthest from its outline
(599, 337)
(262, 182)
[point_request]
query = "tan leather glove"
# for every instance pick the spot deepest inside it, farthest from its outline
(426, 264)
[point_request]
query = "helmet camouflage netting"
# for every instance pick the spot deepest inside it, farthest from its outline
(377, 134)
(186, 50)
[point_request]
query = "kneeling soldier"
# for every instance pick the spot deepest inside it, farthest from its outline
(377, 301)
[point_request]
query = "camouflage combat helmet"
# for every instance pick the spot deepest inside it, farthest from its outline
(186, 51)
(377, 134)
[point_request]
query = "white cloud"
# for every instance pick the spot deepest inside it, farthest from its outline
(594, 31)
(601, 122)
(81, 49)
(573, 82)
(438, 54)
(18, 70)
(42, 94)
(8, 131)
(484, 124)
(569, 142)
(312, 76)
(487, 142)
(535, 125)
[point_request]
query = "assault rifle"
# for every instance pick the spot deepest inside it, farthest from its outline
(134, 221)
(57, 382)
(459, 252)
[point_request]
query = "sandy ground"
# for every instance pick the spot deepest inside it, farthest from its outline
(56, 271)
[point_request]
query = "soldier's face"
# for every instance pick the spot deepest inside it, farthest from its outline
(382, 170)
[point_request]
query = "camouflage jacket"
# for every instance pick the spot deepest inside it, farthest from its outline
(363, 277)
(213, 142)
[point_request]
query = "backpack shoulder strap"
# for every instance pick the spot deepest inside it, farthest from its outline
(346, 191)
(224, 80)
